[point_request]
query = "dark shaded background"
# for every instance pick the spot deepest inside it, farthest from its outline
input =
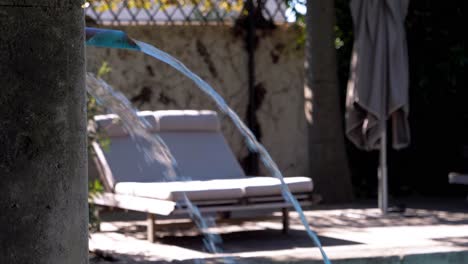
(438, 57)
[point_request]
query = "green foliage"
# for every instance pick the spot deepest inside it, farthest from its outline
(299, 20)
(104, 69)
(438, 58)
(343, 42)
(438, 53)
(95, 186)
(202, 5)
(94, 109)
(343, 31)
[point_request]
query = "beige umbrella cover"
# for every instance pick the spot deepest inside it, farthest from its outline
(378, 84)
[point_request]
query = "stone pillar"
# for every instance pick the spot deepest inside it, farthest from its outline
(43, 177)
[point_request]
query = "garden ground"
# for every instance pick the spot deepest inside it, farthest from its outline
(431, 231)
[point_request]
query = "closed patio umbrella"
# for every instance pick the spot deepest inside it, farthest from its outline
(378, 83)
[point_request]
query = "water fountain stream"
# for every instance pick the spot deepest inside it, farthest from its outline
(118, 39)
(154, 149)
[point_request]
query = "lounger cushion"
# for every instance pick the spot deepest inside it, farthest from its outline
(187, 120)
(174, 191)
(270, 186)
(458, 178)
(200, 154)
(203, 155)
(128, 162)
(223, 189)
(111, 125)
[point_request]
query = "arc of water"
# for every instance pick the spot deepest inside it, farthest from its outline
(122, 41)
(133, 124)
(252, 142)
(153, 147)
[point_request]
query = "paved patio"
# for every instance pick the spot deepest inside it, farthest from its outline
(430, 231)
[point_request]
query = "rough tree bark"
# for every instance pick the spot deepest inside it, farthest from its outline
(43, 177)
(327, 157)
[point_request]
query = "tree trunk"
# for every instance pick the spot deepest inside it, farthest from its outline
(327, 157)
(43, 178)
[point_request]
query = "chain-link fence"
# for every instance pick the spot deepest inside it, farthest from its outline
(148, 12)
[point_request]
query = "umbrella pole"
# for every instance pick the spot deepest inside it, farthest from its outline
(383, 189)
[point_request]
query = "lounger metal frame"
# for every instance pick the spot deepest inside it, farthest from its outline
(154, 207)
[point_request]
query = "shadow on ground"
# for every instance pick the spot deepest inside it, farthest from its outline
(261, 240)
(336, 226)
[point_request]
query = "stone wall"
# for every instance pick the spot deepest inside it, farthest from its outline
(218, 55)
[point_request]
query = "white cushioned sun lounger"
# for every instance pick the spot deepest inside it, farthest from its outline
(217, 182)
(458, 178)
